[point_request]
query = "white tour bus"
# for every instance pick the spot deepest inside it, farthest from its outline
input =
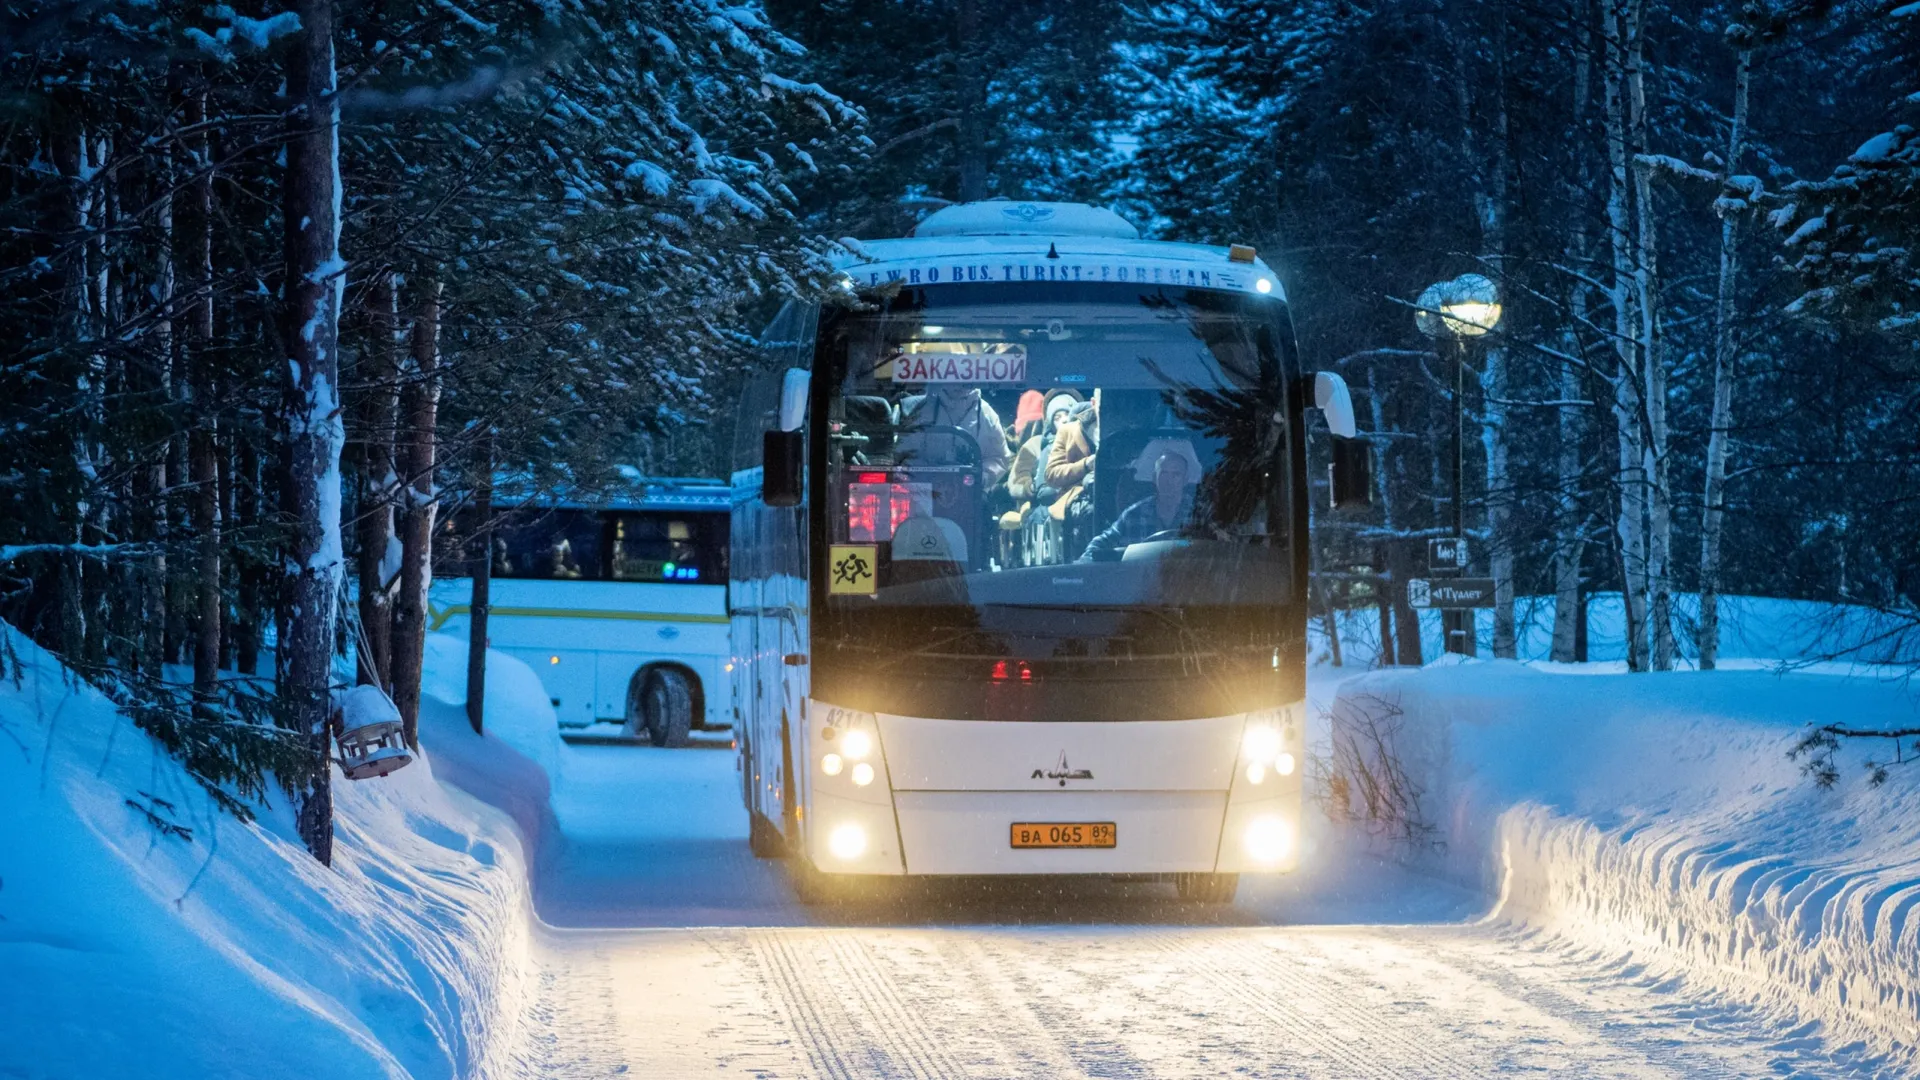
(954, 656)
(620, 606)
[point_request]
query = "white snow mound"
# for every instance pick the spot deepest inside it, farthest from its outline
(1659, 815)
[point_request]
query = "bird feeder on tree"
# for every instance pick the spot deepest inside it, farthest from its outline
(368, 729)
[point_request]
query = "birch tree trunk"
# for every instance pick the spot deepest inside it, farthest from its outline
(1569, 523)
(1713, 496)
(1653, 447)
(151, 483)
(420, 401)
(1619, 17)
(315, 280)
(972, 128)
(378, 483)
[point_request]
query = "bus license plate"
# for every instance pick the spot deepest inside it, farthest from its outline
(1074, 834)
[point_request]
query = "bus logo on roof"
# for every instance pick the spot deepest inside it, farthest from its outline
(1028, 212)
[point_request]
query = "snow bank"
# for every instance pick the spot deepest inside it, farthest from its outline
(1660, 815)
(126, 952)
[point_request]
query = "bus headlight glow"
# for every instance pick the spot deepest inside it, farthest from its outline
(1264, 285)
(1261, 744)
(1268, 839)
(1256, 772)
(832, 764)
(1284, 764)
(862, 774)
(847, 841)
(856, 744)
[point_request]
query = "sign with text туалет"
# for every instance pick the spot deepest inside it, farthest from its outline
(1450, 593)
(1447, 555)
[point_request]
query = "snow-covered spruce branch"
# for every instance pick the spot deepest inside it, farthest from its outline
(10, 552)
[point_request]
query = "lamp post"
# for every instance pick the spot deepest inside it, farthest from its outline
(1457, 311)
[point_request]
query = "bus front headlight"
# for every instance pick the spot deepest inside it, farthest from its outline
(1268, 839)
(1261, 743)
(862, 774)
(832, 764)
(848, 841)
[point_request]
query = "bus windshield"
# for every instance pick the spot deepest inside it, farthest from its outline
(1001, 456)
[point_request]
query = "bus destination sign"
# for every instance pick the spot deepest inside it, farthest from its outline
(967, 367)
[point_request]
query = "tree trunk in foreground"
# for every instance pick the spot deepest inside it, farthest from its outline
(378, 483)
(482, 598)
(419, 403)
(1712, 508)
(314, 283)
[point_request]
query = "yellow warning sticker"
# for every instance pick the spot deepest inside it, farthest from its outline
(852, 566)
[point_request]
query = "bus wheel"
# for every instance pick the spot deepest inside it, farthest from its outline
(1207, 888)
(762, 838)
(663, 705)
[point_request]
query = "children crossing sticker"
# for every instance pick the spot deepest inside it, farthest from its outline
(851, 567)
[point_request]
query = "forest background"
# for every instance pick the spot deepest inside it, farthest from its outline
(284, 284)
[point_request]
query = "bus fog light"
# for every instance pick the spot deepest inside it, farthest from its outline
(1261, 743)
(831, 764)
(1268, 839)
(862, 774)
(857, 744)
(847, 841)
(1284, 764)
(1256, 772)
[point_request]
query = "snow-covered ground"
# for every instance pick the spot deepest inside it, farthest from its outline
(128, 953)
(1635, 882)
(1658, 820)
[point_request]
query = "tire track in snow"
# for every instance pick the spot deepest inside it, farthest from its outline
(819, 1027)
(1302, 1009)
(924, 1055)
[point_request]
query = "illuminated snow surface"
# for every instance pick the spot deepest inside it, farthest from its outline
(632, 934)
(672, 952)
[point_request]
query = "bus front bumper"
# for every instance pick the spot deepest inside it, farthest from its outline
(971, 832)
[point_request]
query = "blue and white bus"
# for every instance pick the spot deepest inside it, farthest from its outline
(619, 605)
(972, 642)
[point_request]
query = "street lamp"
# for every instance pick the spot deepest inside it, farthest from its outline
(1458, 310)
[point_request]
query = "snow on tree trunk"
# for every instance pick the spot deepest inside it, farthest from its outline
(1713, 495)
(1620, 26)
(419, 403)
(381, 373)
(315, 282)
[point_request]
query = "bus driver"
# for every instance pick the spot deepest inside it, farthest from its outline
(1168, 508)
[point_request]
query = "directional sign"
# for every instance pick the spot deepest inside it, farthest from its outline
(1447, 555)
(1450, 593)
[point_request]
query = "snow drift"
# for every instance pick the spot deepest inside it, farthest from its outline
(1660, 815)
(125, 951)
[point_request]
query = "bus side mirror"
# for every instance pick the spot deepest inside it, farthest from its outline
(1351, 476)
(782, 455)
(793, 398)
(1331, 397)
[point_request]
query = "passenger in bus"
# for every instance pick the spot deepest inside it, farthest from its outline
(1027, 481)
(952, 405)
(1028, 417)
(1169, 507)
(1070, 460)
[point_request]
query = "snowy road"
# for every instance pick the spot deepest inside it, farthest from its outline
(672, 953)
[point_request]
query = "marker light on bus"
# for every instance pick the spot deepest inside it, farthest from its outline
(1268, 839)
(862, 774)
(1261, 743)
(856, 744)
(847, 841)
(1263, 285)
(553, 659)
(1284, 764)
(831, 764)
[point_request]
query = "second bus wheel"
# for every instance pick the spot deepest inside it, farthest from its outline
(664, 708)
